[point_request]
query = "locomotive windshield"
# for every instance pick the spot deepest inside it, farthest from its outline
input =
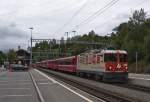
(123, 57)
(110, 57)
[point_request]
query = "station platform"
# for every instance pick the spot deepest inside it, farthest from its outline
(17, 87)
(140, 79)
(54, 90)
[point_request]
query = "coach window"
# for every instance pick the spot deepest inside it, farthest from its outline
(67, 62)
(60, 62)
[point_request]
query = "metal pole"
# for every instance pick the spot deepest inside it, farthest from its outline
(31, 49)
(66, 44)
(50, 50)
(59, 51)
(31, 46)
(136, 58)
(67, 34)
(74, 32)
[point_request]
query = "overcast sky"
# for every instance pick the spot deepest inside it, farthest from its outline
(47, 17)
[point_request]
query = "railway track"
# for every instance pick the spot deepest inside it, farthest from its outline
(40, 97)
(129, 86)
(93, 90)
(134, 87)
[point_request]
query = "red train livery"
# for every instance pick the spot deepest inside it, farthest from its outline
(101, 64)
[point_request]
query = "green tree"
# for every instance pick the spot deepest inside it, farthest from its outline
(11, 55)
(2, 57)
(138, 17)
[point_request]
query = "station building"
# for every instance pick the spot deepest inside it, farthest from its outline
(22, 57)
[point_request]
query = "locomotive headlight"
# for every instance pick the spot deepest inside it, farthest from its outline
(110, 67)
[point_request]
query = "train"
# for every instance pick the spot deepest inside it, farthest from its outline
(105, 65)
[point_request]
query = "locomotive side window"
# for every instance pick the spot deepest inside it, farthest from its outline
(123, 57)
(99, 58)
(110, 57)
(81, 59)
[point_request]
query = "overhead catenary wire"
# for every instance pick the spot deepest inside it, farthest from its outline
(136, 5)
(72, 17)
(97, 13)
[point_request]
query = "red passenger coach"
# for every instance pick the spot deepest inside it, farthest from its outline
(52, 64)
(67, 64)
(37, 64)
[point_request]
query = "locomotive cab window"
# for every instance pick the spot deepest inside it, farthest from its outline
(110, 57)
(123, 57)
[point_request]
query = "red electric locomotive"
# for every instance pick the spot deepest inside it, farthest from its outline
(108, 65)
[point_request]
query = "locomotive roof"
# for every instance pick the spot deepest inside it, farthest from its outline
(103, 51)
(114, 51)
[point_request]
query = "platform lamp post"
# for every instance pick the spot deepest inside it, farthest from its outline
(31, 28)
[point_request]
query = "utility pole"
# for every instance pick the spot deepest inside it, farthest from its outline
(31, 46)
(67, 35)
(74, 32)
(49, 56)
(66, 42)
(136, 59)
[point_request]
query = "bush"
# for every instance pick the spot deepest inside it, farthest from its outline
(142, 67)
